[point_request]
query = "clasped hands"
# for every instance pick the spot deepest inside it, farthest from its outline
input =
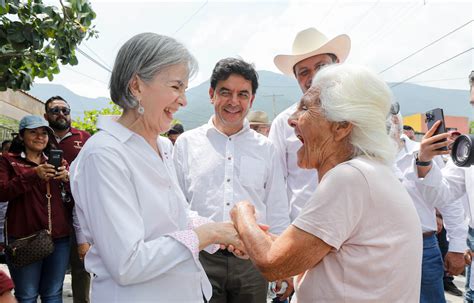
(228, 234)
(47, 171)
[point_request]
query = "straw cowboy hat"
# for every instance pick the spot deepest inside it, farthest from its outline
(311, 42)
(258, 117)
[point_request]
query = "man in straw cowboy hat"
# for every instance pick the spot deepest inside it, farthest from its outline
(259, 122)
(311, 51)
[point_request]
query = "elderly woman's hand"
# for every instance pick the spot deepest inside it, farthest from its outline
(45, 171)
(242, 208)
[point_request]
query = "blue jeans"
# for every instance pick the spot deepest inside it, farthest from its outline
(44, 278)
(469, 296)
(432, 271)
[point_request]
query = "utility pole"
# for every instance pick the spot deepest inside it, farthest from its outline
(274, 102)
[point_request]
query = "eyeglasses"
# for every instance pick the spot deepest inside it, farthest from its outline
(395, 108)
(56, 110)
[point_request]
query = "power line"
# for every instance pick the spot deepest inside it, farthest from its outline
(364, 15)
(438, 80)
(416, 52)
(192, 16)
(93, 60)
(428, 69)
(98, 57)
(328, 12)
(85, 75)
(398, 18)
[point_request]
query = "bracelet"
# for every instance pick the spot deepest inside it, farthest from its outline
(421, 163)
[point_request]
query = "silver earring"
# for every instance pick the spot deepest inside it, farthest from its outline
(140, 109)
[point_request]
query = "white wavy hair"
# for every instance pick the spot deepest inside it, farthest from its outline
(355, 94)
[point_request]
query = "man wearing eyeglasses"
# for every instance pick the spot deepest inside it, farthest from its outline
(70, 141)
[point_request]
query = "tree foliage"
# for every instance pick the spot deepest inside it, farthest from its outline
(35, 36)
(89, 122)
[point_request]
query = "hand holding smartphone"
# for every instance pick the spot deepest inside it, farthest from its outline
(55, 158)
(431, 117)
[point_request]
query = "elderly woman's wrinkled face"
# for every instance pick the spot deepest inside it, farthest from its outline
(313, 130)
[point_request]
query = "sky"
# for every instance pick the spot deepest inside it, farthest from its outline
(382, 32)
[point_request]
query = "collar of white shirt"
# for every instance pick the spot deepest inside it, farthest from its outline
(117, 130)
(210, 126)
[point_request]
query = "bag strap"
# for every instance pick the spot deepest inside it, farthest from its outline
(48, 196)
(50, 225)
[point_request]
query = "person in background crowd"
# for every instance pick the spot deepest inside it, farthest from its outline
(409, 132)
(360, 213)
(223, 162)
(3, 207)
(311, 51)
(450, 183)
(6, 146)
(70, 141)
(145, 242)
(448, 278)
(174, 132)
(433, 267)
(259, 122)
(24, 178)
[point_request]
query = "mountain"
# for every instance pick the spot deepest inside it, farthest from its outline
(284, 90)
(79, 104)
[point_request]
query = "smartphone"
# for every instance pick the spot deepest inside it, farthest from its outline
(55, 158)
(431, 117)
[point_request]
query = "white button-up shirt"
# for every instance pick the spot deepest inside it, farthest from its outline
(452, 210)
(216, 171)
(136, 218)
(300, 183)
(451, 182)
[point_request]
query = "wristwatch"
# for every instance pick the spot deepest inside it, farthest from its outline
(421, 163)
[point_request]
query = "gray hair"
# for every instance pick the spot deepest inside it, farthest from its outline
(357, 95)
(145, 55)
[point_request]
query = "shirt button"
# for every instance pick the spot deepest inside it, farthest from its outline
(228, 203)
(229, 158)
(230, 139)
(228, 180)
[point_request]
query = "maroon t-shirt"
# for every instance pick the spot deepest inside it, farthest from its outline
(71, 145)
(25, 192)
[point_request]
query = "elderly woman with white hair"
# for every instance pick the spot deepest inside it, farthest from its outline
(358, 239)
(144, 241)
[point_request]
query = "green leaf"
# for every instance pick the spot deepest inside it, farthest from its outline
(4, 7)
(15, 32)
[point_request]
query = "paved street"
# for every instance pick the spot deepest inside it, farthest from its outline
(459, 281)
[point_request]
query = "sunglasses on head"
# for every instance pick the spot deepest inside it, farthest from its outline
(56, 110)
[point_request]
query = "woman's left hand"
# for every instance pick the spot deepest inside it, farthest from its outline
(62, 174)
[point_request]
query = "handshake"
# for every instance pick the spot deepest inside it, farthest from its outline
(226, 234)
(244, 237)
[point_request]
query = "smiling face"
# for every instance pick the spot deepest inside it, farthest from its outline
(232, 99)
(35, 139)
(313, 130)
(306, 69)
(58, 115)
(161, 97)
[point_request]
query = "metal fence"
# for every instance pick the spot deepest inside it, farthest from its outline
(6, 133)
